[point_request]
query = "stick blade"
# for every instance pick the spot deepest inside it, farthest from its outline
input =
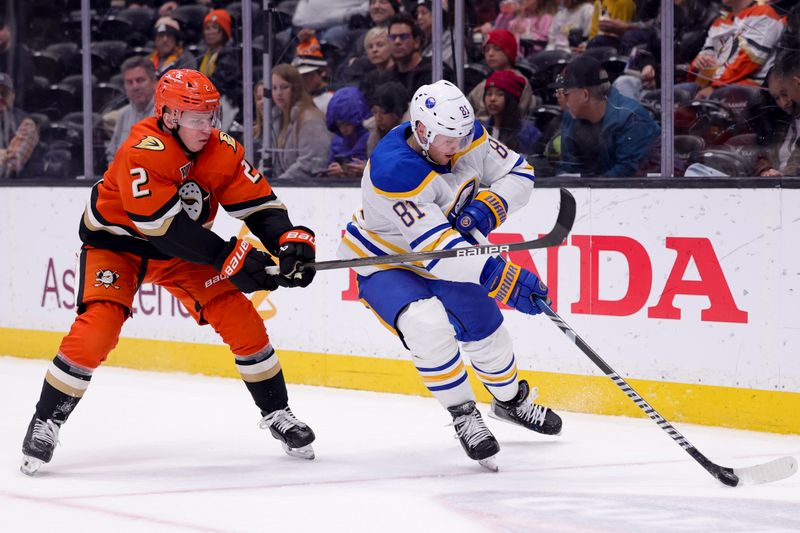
(767, 472)
(566, 212)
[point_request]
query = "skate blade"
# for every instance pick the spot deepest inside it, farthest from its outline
(489, 464)
(491, 414)
(304, 452)
(30, 465)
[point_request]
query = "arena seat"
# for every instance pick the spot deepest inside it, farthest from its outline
(547, 65)
(686, 145)
(190, 17)
(107, 57)
(746, 145)
(107, 96)
(725, 161)
(134, 25)
(742, 100)
(711, 120)
(525, 68)
(546, 118)
(474, 73)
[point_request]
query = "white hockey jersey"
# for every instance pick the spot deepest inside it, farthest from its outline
(409, 204)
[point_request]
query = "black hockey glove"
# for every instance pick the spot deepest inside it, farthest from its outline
(246, 267)
(297, 248)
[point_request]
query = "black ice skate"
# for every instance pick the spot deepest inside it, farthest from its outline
(38, 446)
(475, 437)
(522, 411)
(295, 436)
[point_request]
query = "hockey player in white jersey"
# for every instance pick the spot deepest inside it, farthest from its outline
(421, 191)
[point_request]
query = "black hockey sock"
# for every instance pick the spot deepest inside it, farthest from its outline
(270, 394)
(54, 404)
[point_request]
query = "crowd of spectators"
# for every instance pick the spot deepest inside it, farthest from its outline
(573, 85)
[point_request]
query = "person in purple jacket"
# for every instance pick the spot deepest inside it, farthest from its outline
(346, 111)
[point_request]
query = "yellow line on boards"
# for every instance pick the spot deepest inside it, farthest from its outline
(756, 410)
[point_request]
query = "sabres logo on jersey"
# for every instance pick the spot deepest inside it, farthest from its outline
(151, 143)
(227, 139)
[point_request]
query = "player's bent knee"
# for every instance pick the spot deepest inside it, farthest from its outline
(235, 319)
(426, 330)
(495, 347)
(94, 333)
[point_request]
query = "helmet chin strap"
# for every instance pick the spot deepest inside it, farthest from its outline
(424, 150)
(177, 137)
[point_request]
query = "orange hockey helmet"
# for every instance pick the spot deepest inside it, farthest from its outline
(185, 90)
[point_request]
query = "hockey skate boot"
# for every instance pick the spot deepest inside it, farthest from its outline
(522, 411)
(295, 436)
(38, 446)
(475, 437)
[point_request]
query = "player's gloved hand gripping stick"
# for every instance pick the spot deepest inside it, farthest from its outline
(763, 473)
(557, 235)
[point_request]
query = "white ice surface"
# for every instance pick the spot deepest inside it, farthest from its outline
(151, 452)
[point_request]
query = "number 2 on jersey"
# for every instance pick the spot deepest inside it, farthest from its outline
(138, 184)
(402, 210)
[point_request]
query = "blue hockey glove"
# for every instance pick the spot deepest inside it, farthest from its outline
(485, 212)
(513, 285)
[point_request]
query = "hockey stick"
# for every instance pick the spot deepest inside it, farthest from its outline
(557, 235)
(763, 473)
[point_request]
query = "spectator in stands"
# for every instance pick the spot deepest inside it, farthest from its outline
(603, 133)
(787, 67)
(574, 17)
(532, 25)
(506, 124)
(382, 11)
(314, 71)
(604, 31)
(17, 60)
(389, 108)
(349, 36)
(508, 12)
(346, 113)
(367, 72)
(19, 134)
(220, 62)
(787, 161)
(139, 80)
(302, 140)
(500, 53)
(169, 52)
(738, 47)
(410, 68)
(424, 17)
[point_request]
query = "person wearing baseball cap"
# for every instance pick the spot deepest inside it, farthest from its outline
(314, 71)
(506, 124)
(620, 133)
(220, 62)
(169, 53)
(500, 52)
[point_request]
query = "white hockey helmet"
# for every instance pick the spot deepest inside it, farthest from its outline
(444, 110)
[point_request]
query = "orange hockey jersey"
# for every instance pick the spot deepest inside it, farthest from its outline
(152, 179)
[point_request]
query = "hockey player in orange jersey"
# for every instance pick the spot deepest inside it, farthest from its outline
(147, 221)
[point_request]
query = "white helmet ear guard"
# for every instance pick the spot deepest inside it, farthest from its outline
(444, 110)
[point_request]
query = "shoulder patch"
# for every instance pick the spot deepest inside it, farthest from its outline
(227, 139)
(151, 143)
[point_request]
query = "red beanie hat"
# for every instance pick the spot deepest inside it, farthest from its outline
(505, 41)
(507, 80)
(222, 18)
